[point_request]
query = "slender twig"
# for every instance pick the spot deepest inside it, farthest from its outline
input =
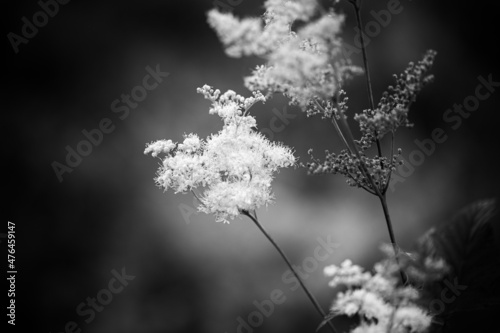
(289, 264)
(197, 197)
(342, 137)
(363, 51)
(357, 10)
(362, 165)
(354, 150)
(336, 126)
(389, 175)
(387, 216)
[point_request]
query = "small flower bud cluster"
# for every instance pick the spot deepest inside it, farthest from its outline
(379, 301)
(229, 104)
(233, 168)
(372, 174)
(349, 165)
(392, 110)
(329, 107)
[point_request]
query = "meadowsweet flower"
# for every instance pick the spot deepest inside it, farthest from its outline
(324, 31)
(237, 35)
(233, 168)
(160, 147)
(303, 61)
(410, 319)
(363, 303)
(347, 274)
(370, 328)
(380, 302)
(292, 9)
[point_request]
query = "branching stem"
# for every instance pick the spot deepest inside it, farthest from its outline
(380, 193)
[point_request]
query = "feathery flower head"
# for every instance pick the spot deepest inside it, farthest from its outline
(347, 274)
(233, 168)
(410, 319)
(377, 298)
(237, 35)
(292, 9)
(303, 61)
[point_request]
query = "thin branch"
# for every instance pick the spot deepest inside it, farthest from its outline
(342, 137)
(365, 58)
(336, 126)
(367, 69)
(362, 166)
(383, 201)
(389, 175)
(197, 197)
(289, 264)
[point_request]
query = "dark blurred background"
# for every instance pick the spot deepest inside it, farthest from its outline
(192, 274)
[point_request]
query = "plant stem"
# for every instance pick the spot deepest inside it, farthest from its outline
(384, 191)
(336, 126)
(367, 69)
(383, 201)
(380, 193)
(365, 58)
(289, 264)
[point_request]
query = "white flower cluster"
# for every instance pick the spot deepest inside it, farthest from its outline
(234, 168)
(380, 303)
(302, 63)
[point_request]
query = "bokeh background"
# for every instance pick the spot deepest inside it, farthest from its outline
(192, 274)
